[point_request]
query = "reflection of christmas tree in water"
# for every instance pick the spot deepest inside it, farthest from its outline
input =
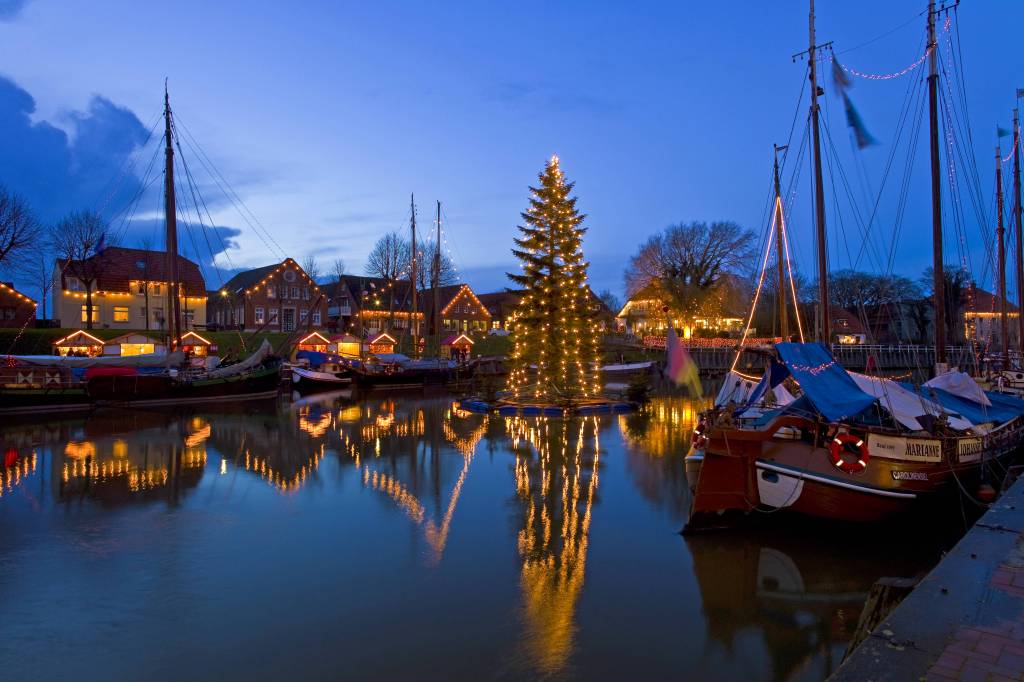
(556, 475)
(554, 331)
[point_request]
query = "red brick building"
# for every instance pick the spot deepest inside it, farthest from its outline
(16, 309)
(278, 297)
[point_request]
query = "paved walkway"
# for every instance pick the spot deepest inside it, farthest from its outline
(965, 621)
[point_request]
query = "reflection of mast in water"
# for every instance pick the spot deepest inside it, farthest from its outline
(436, 534)
(556, 480)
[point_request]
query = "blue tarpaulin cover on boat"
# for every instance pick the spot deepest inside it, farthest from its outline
(826, 384)
(1003, 407)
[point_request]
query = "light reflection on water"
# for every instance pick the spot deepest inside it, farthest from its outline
(401, 537)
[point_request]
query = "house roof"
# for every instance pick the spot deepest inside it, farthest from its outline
(247, 278)
(987, 302)
(123, 265)
(496, 300)
(845, 322)
(7, 288)
(79, 338)
(124, 338)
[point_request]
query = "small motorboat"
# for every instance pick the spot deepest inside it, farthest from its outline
(309, 380)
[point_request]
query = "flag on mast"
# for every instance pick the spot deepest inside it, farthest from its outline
(681, 368)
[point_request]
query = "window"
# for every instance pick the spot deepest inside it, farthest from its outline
(303, 314)
(271, 291)
(259, 319)
(240, 315)
(8, 313)
(140, 264)
(495, 324)
(141, 288)
(305, 293)
(157, 290)
(289, 275)
(295, 293)
(120, 313)
(273, 316)
(95, 313)
(142, 313)
(316, 317)
(74, 284)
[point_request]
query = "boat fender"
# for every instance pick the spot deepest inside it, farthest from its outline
(849, 453)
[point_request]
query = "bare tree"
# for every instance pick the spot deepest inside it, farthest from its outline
(311, 267)
(79, 241)
(610, 300)
(691, 267)
(425, 275)
(19, 230)
(37, 267)
(389, 260)
(338, 267)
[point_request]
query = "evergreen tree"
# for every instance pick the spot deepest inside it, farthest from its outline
(553, 326)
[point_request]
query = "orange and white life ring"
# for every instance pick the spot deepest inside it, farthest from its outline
(849, 453)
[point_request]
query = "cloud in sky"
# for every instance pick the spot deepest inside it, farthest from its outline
(10, 9)
(90, 167)
(57, 172)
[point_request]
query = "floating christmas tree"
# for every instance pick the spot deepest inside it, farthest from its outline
(554, 331)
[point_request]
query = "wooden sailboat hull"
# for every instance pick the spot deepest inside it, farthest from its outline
(142, 390)
(43, 400)
(747, 470)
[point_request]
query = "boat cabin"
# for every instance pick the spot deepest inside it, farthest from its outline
(381, 344)
(78, 344)
(133, 344)
(457, 346)
(314, 341)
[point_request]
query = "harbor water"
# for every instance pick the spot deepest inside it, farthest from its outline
(399, 537)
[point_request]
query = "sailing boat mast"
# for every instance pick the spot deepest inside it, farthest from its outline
(1020, 238)
(939, 278)
(779, 252)
(173, 285)
(825, 328)
(1004, 325)
(435, 275)
(412, 279)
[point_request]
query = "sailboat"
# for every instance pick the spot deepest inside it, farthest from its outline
(258, 376)
(812, 438)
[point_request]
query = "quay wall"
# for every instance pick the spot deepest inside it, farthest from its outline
(965, 619)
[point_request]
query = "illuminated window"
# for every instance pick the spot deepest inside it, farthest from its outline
(259, 315)
(95, 313)
(273, 315)
(120, 313)
(271, 291)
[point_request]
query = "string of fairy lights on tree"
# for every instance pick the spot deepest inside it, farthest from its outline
(553, 327)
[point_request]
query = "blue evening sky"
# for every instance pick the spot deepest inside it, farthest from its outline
(325, 116)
